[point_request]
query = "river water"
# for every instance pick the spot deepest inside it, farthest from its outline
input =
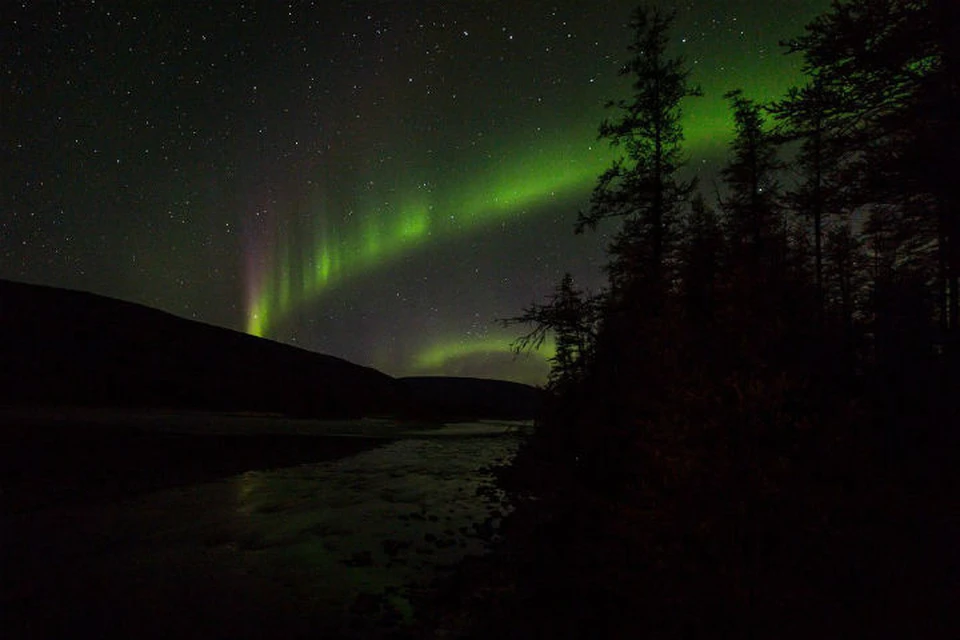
(338, 546)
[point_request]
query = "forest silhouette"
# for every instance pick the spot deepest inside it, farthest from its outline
(751, 429)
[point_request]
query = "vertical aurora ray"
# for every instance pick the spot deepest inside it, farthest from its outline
(259, 241)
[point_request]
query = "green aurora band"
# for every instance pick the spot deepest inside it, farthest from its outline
(437, 355)
(536, 178)
(561, 168)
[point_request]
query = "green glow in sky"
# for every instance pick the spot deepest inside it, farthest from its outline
(437, 355)
(502, 188)
(426, 200)
(363, 179)
(450, 354)
(499, 189)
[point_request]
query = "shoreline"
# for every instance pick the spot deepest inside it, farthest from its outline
(71, 463)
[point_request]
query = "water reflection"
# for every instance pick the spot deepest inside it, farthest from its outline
(385, 518)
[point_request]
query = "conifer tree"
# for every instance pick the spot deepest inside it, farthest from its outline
(570, 316)
(752, 204)
(808, 115)
(642, 187)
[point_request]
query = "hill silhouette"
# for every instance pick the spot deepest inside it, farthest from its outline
(475, 397)
(64, 347)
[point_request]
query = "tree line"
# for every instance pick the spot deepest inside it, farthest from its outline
(818, 285)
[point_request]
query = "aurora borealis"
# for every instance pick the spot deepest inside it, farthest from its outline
(384, 233)
(380, 181)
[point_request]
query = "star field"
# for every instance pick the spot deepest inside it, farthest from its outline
(380, 181)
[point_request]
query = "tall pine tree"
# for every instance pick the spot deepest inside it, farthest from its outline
(642, 187)
(808, 115)
(751, 203)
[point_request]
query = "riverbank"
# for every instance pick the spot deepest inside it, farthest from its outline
(860, 545)
(85, 462)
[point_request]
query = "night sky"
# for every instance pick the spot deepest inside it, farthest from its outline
(380, 181)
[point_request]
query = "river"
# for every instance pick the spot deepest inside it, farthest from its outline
(336, 547)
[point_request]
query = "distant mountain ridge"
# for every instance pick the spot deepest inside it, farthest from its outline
(455, 397)
(65, 347)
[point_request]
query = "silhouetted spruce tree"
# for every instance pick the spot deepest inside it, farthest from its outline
(768, 304)
(570, 316)
(642, 186)
(751, 204)
(634, 352)
(611, 381)
(809, 115)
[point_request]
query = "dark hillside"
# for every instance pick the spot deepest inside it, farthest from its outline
(61, 347)
(475, 397)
